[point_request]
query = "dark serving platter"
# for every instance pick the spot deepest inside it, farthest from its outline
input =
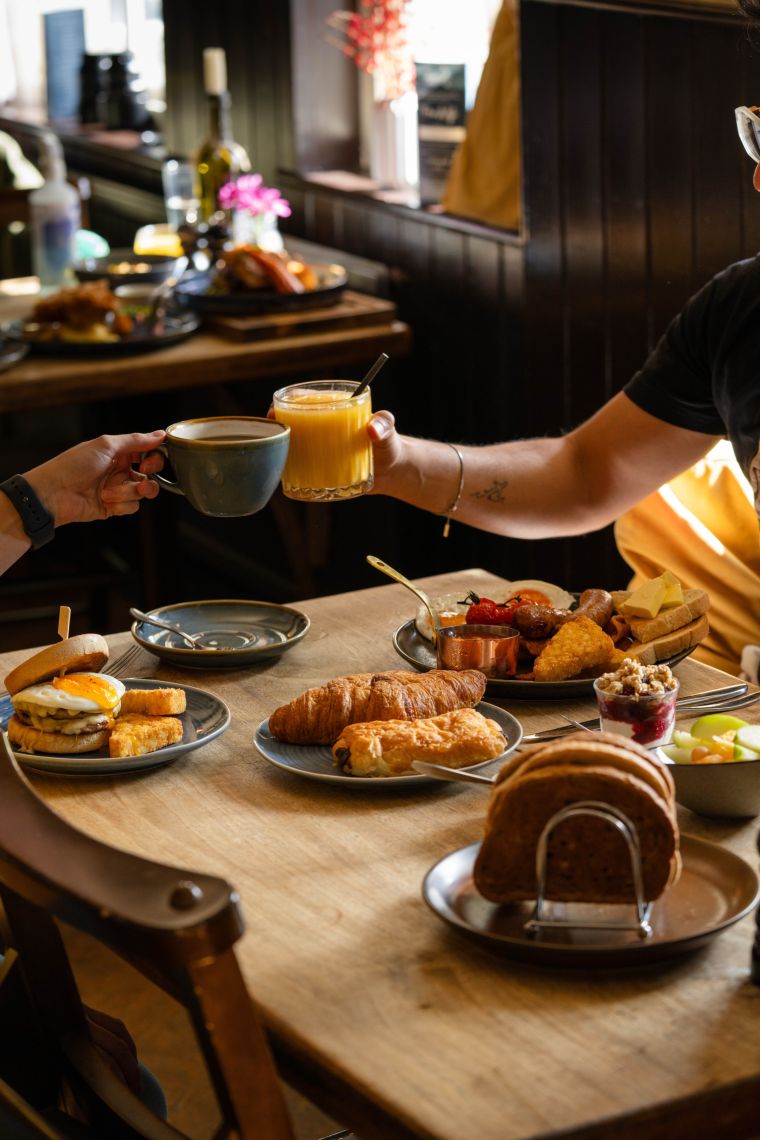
(198, 291)
(171, 330)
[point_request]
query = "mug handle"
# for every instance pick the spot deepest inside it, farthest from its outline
(161, 479)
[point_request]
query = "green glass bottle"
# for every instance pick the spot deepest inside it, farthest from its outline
(219, 158)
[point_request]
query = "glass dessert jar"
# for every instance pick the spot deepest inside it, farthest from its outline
(638, 701)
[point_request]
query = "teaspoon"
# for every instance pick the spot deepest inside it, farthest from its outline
(163, 625)
(384, 568)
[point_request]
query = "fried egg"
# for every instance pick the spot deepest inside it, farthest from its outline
(554, 595)
(75, 692)
(450, 608)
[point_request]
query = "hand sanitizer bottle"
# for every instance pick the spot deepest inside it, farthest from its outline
(54, 219)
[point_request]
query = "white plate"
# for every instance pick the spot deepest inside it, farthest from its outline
(315, 761)
(206, 717)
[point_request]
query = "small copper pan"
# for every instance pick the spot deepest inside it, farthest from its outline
(492, 649)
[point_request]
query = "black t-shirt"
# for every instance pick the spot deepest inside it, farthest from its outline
(705, 372)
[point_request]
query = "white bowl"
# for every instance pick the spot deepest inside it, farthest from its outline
(730, 790)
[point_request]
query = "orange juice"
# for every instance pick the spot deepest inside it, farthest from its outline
(330, 455)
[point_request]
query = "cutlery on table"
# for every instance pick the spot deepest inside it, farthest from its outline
(397, 576)
(189, 637)
(456, 775)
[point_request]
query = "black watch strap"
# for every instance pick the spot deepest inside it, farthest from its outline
(36, 519)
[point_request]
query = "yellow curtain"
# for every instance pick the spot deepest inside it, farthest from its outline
(703, 526)
(484, 179)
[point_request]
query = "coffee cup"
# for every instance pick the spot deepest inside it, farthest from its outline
(225, 466)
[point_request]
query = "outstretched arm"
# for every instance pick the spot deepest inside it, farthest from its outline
(93, 480)
(540, 488)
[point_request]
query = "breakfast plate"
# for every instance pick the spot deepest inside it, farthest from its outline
(12, 349)
(715, 890)
(171, 330)
(231, 633)
(206, 717)
(315, 761)
(198, 291)
(419, 652)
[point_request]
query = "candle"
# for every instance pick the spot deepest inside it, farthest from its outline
(214, 71)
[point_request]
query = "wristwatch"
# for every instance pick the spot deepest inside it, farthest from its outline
(36, 519)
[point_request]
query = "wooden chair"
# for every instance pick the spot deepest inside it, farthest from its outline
(178, 928)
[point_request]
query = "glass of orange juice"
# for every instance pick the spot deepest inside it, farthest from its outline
(330, 456)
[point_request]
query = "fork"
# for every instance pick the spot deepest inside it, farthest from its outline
(123, 665)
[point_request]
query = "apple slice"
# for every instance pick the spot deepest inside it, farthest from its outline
(677, 755)
(715, 724)
(748, 736)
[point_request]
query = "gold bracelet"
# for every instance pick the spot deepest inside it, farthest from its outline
(455, 505)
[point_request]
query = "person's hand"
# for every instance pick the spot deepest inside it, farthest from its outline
(96, 479)
(113, 1041)
(386, 448)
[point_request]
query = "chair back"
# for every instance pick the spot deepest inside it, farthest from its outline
(177, 927)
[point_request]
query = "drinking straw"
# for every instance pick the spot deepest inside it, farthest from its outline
(365, 383)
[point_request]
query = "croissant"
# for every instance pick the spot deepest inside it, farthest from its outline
(319, 715)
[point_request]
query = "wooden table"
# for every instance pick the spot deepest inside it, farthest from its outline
(204, 358)
(393, 1023)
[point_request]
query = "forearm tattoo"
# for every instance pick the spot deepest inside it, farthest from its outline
(492, 494)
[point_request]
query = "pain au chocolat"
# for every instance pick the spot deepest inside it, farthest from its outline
(319, 715)
(587, 858)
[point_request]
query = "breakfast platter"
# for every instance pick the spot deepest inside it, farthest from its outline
(202, 292)
(317, 762)
(205, 718)
(143, 338)
(716, 888)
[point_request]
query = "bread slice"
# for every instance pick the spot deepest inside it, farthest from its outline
(154, 702)
(587, 858)
(695, 603)
(668, 644)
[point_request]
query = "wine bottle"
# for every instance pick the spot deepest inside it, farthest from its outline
(220, 158)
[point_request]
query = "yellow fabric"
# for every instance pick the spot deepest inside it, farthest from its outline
(703, 526)
(484, 179)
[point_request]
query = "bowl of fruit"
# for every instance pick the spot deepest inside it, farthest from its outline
(716, 766)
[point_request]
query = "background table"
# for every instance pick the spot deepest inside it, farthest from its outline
(390, 1021)
(204, 358)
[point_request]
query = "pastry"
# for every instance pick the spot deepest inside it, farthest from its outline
(319, 715)
(588, 860)
(388, 747)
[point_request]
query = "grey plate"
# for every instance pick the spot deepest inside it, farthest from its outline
(716, 889)
(96, 268)
(171, 331)
(196, 292)
(730, 791)
(12, 349)
(241, 632)
(206, 717)
(315, 761)
(418, 651)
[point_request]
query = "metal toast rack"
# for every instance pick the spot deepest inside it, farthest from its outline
(539, 921)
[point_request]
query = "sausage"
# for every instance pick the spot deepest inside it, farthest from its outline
(536, 621)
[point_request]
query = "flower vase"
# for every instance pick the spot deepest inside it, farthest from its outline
(392, 151)
(256, 229)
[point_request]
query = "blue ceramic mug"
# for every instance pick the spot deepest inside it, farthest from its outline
(226, 466)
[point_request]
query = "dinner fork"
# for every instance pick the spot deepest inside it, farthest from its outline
(124, 664)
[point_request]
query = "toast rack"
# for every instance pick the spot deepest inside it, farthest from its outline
(539, 921)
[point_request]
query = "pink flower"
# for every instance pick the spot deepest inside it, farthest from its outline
(248, 192)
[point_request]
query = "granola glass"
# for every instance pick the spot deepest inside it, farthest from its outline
(639, 702)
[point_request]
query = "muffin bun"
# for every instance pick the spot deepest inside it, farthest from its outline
(29, 739)
(85, 653)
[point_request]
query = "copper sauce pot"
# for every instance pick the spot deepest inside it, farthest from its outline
(492, 649)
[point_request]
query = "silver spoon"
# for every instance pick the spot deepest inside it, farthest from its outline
(190, 638)
(456, 775)
(384, 568)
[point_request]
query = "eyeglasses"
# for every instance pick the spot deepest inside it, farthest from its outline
(748, 126)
